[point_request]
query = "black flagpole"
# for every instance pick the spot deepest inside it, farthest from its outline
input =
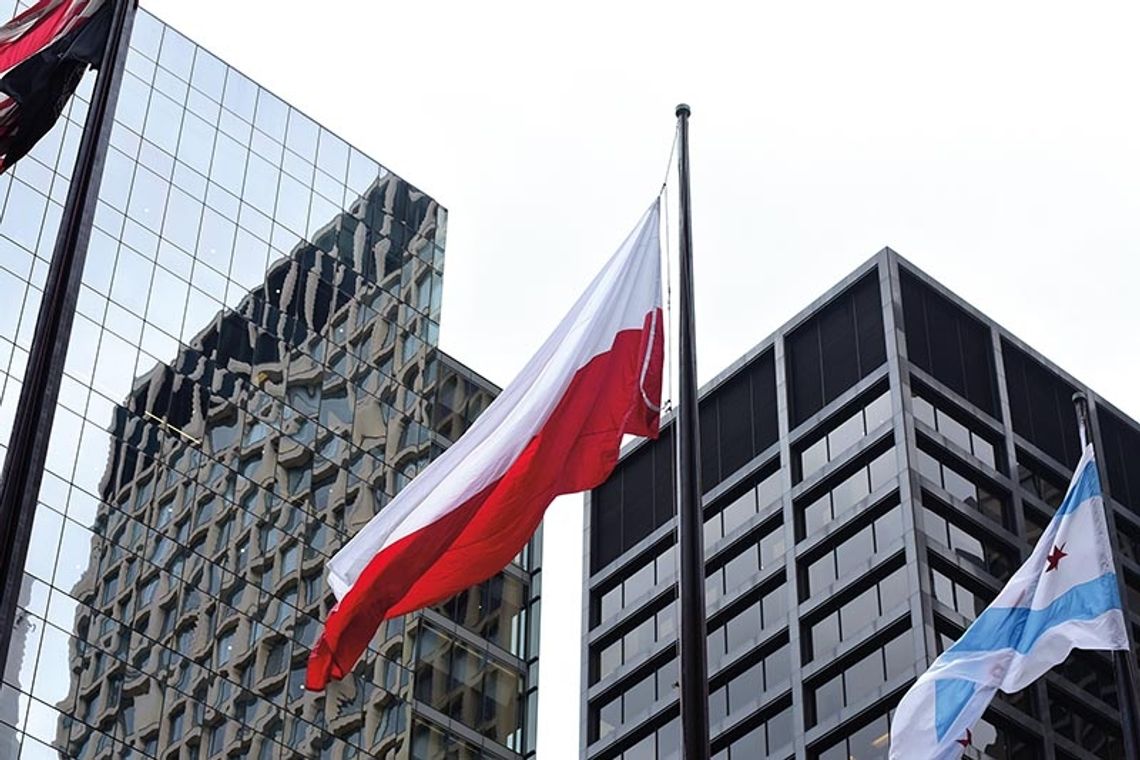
(1124, 662)
(693, 641)
(31, 428)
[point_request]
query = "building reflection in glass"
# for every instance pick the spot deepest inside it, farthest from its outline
(235, 471)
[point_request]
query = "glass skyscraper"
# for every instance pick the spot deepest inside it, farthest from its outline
(873, 473)
(253, 373)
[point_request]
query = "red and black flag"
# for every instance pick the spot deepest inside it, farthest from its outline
(43, 54)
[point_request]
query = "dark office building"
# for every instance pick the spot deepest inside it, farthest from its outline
(873, 473)
(254, 372)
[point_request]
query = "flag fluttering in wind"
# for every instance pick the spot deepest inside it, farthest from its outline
(1064, 597)
(43, 54)
(556, 429)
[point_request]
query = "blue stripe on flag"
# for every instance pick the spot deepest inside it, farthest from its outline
(950, 696)
(1085, 486)
(1019, 628)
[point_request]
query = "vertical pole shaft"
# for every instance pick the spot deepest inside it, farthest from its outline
(35, 412)
(694, 637)
(1124, 663)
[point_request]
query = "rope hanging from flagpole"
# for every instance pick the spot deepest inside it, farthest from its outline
(667, 397)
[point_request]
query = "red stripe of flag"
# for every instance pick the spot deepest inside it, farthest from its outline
(576, 450)
(556, 429)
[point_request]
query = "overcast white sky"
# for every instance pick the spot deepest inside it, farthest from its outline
(996, 145)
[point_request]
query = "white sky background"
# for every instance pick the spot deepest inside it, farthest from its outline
(995, 145)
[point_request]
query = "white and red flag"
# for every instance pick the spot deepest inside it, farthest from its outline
(43, 54)
(556, 429)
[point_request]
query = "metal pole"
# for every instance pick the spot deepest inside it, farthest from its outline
(1124, 663)
(694, 636)
(35, 412)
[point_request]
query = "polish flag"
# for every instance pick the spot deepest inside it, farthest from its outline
(555, 430)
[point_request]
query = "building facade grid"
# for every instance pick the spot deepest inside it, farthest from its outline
(254, 371)
(876, 471)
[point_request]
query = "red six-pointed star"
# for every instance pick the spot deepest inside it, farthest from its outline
(1055, 557)
(967, 740)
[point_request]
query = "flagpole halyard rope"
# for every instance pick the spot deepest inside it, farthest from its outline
(667, 398)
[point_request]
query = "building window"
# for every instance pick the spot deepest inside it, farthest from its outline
(855, 613)
(852, 553)
(958, 433)
(1121, 458)
(844, 434)
(744, 685)
(635, 700)
(958, 597)
(1041, 406)
(1040, 481)
(661, 569)
(869, 742)
(748, 625)
(175, 725)
(764, 740)
(971, 489)
(838, 346)
(738, 420)
(731, 513)
(733, 570)
(860, 677)
(950, 344)
(845, 490)
(988, 553)
(636, 642)
(1084, 726)
(636, 499)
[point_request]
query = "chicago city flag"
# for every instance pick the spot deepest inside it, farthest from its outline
(43, 54)
(1064, 597)
(555, 429)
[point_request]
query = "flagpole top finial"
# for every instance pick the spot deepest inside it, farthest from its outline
(683, 110)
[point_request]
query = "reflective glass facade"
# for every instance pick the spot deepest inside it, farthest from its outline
(873, 473)
(254, 372)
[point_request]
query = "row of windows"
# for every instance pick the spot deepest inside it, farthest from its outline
(468, 686)
(744, 562)
(729, 516)
(162, 197)
(742, 690)
(955, 595)
(764, 740)
(858, 679)
(204, 247)
(991, 739)
(635, 643)
(987, 553)
(358, 319)
(852, 553)
(635, 700)
(835, 348)
(848, 492)
(969, 489)
(855, 615)
(1078, 722)
(661, 569)
(956, 432)
(748, 625)
(844, 435)
(124, 699)
(662, 744)
(949, 343)
(191, 73)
